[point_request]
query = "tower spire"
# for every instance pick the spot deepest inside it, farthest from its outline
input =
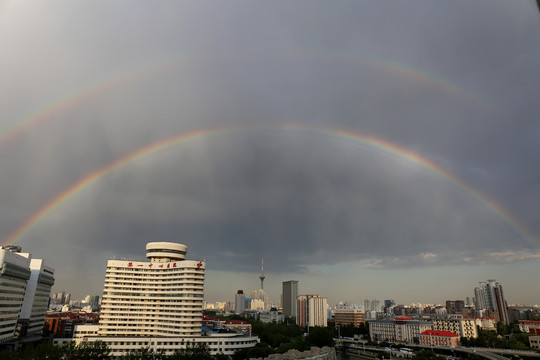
(261, 276)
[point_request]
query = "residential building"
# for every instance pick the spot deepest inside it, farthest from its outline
(464, 327)
(157, 304)
(439, 338)
(490, 296)
(372, 305)
(455, 306)
(311, 311)
(290, 292)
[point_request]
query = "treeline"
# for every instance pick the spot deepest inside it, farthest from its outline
(489, 338)
(98, 350)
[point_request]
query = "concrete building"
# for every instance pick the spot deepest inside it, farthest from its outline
(534, 342)
(349, 317)
(439, 338)
(25, 285)
(14, 272)
(238, 325)
(157, 304)
(272, 316)
(464, 327)
(455, 306)
(311, 310)
(36, 298)
(63, 325)
(490, 296)
(290, 292)
(239, 302)
(402, 329)
(530, 327)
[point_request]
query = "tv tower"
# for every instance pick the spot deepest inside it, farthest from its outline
(262, 277)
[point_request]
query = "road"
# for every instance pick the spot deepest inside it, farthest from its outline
(488, 353)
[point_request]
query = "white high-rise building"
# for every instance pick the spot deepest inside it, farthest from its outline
(163, 297)
(14, 272)
(36, 298)
(157, 304)
(25, 287)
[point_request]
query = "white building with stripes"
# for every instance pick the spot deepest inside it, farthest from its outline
(157, 304)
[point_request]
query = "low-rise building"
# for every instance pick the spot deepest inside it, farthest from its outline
(464, 327)
(238, 325)
(63, 325)
(402, 329)
(530, 327)
(349, 317)
(439, 338)
(534, 342)
(272, 316)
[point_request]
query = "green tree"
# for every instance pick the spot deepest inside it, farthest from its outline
(320, 336)
(44, 350)
(426, 355)
(221, 356)
(197, 351)
(259, 351)
(91, 350)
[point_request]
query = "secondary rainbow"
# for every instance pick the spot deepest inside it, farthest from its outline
(403, 70)
(381, 145)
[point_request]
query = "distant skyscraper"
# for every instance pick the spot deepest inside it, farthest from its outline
(290, 292)
(311, 310)
(261, 276)
(372, 305)
(389, 303)
(239, 302)
(490, 296)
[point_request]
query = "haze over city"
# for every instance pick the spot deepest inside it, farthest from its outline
(367, 149)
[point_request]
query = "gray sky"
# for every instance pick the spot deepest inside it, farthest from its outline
(454, 82)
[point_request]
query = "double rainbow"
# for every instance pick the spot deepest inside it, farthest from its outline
(378, 144)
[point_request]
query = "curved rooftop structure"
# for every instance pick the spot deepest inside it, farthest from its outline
(165, 251)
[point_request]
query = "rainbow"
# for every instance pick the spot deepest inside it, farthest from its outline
(32, 119)
(381, 145)
(402, 70)
(406, 71)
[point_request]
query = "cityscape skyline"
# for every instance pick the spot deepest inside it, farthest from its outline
(368, 151)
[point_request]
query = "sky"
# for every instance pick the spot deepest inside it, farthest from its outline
(367, 149)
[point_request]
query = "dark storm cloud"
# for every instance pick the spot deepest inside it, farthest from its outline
(257, 194)
(455, 81)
